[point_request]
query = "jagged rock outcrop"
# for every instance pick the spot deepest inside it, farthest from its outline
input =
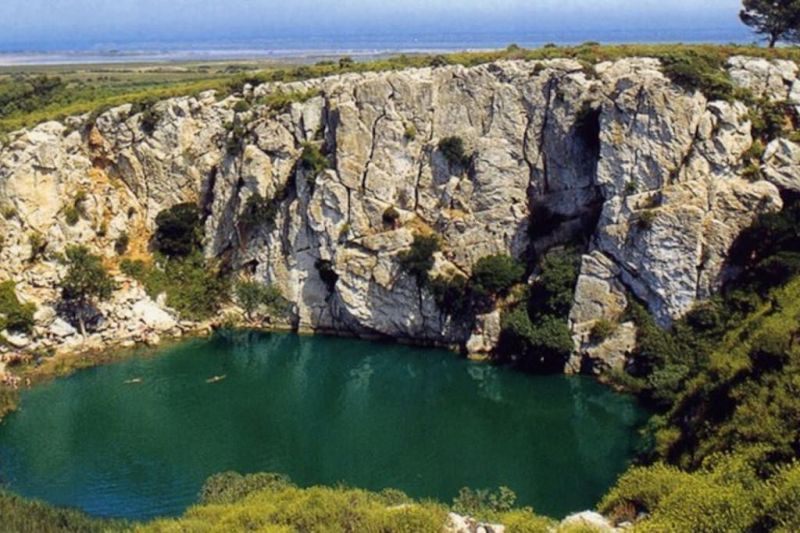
(651, 171)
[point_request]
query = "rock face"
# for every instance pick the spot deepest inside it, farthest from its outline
(656, 170)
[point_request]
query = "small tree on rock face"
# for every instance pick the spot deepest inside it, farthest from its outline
(775, 19)
(418, 260)
(253, 295)
(496, 274)
(86, 280)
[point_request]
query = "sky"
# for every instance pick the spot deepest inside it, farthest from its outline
(43, 24)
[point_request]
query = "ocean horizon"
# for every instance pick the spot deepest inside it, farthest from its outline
(312, 47)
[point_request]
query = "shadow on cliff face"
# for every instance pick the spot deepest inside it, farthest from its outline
(767, 253)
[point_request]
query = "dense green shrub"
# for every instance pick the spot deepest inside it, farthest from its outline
(482, 502)
(452, 148)
(230, 487)
(179, 230)
(696, 71)
(535, 333)
(312, 159)
(242, 106)
(496, 274)
(135, 269)
(194, 288)
(71, 215)
(253, 296)
(280, 101)
(14, 315)
(87, 280)
(602, 330)
(259, 210)
(728, 493)
(553, 289)
(22, 515)
(38, 246)
(769, 120)
(150, 116)
(452, 294)
(543, 345)
(418, 260)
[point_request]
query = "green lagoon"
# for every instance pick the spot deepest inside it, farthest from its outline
(137, 438)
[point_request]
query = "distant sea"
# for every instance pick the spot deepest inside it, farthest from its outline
(310, 48)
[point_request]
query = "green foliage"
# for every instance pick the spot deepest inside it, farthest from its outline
(253, 296)
(775, 20)
(259, 210)
(150, 116)
(697, 71)
(86, 92)
(535, 334)
(602, 330)
(14, 315)
(179, 230)
(553, 288)
(86, 279)
(231, 487)
(769, 120)
(241, 106)
(313, 160)
(280, 101)
(71, 215)
(23, 515)
(726, 494)
(234, 142)
(480, 503)
(452, 294)
(418, 260)
(452, 148)
(194, 288)
(135, 269)
(496, 274)
(267, 502)
(766, 253)
(28, 94)
(542, 345)
(38, 246)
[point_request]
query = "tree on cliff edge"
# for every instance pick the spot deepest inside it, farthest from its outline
(776, 20)
(86, 280)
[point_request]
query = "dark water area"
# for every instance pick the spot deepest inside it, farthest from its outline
(137, 438)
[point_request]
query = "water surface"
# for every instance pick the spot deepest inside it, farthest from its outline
(321, 410)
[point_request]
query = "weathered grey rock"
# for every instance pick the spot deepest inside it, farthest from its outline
(61, 328)
(770, 78)
(486, 334)
(660, 165)
(153, 316)
(781, 164)
(588, 521)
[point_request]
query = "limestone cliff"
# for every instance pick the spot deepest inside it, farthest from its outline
(654, 173)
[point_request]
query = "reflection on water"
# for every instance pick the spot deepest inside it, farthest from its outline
(321, 410)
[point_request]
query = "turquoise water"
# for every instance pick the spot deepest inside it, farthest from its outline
(321, 410)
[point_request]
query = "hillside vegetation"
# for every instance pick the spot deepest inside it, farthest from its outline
(30, 97)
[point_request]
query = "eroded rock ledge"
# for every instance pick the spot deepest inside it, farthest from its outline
(657, 170)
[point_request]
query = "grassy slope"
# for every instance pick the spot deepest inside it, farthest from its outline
(88, 91)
